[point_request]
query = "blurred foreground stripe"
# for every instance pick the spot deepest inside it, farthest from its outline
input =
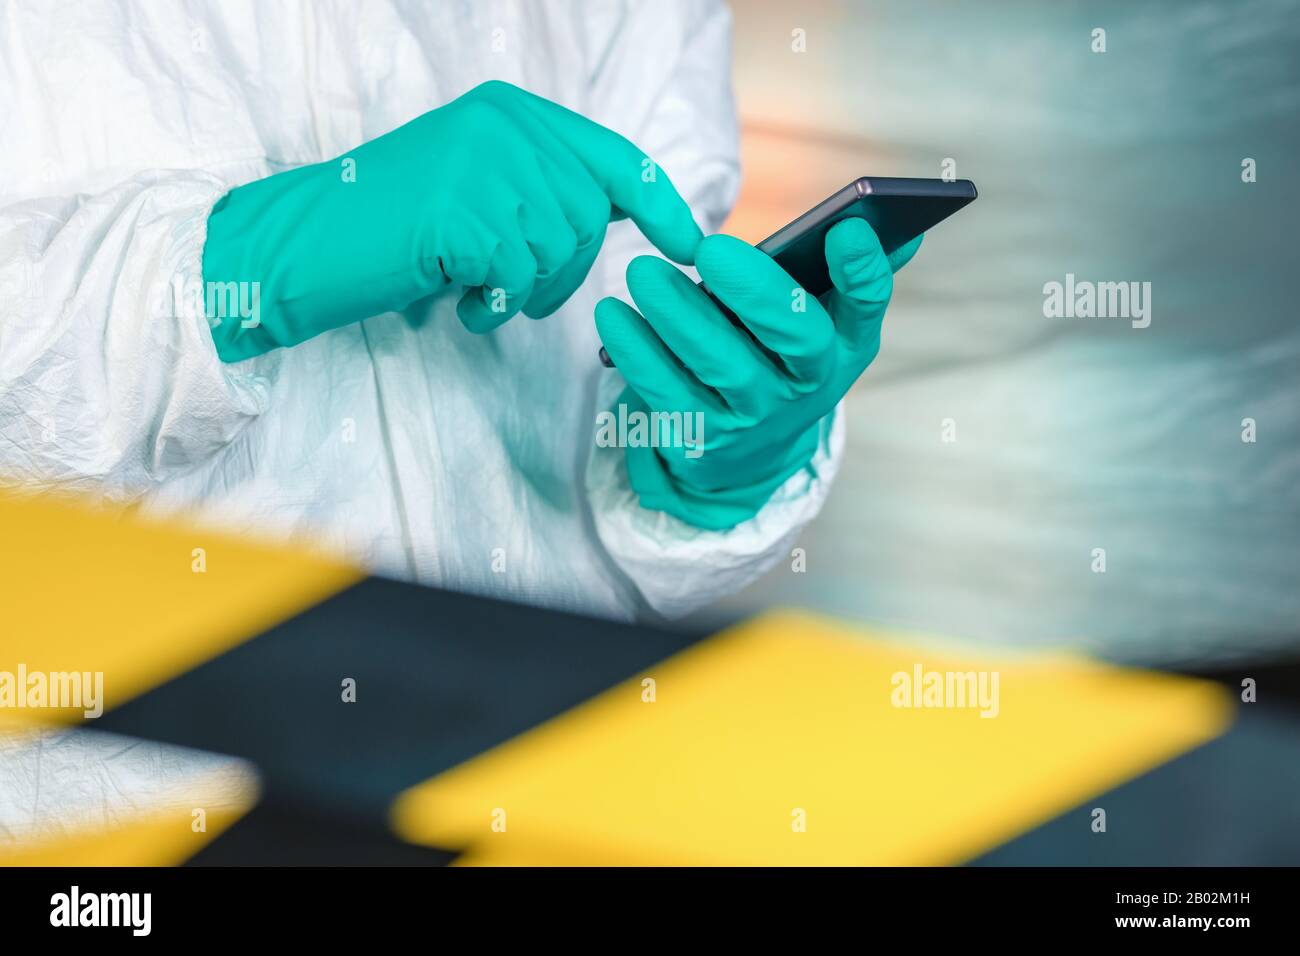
(789, 716)
(90, 590)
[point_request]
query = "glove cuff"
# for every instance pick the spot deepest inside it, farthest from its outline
(717, 509)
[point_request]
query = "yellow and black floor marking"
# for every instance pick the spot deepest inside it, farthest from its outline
(486, 732)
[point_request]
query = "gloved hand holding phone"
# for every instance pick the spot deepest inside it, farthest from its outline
(763, 394)
(499, 191)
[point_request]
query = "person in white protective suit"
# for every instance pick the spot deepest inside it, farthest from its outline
(398, 437)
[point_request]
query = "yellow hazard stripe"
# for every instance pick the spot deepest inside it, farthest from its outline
(786, 741)
(90, 591)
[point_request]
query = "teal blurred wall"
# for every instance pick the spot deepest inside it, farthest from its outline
(1071, 434)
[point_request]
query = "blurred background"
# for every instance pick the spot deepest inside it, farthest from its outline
(1071, 434)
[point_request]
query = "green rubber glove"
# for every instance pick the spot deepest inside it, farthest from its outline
(759, 408)
(499, 191)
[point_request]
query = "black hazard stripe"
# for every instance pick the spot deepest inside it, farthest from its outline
(440, 677)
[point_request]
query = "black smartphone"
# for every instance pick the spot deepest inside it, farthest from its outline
(898, 209)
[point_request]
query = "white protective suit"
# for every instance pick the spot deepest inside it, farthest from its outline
(404, 441)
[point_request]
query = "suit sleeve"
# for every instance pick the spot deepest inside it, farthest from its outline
(109, 381)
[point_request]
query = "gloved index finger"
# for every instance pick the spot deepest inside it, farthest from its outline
(631, 180)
